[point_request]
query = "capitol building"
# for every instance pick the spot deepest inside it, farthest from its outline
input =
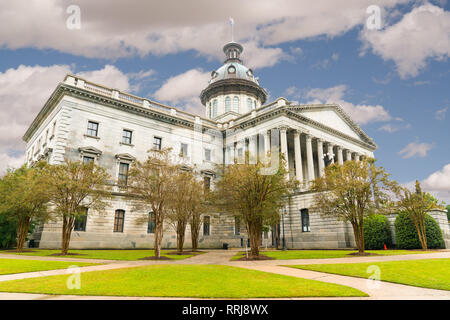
(87, 121)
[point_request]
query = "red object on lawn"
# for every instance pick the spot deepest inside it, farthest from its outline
(385, 248)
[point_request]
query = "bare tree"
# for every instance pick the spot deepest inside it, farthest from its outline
(151, 186)
(353, 191)
(73, 187)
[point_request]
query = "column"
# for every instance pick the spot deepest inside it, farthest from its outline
(284, 147)
(252, 149)
(298, 157)
(330, 152)
(320, 156)
(309, 158)
(348, 155)
(340, 157)
(357, 156)
(267, 142)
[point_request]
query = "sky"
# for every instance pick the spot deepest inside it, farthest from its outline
(385, 62)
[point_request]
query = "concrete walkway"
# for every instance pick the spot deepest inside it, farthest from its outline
(385, 290)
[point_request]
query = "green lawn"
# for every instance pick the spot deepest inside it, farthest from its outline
(323, 254)
(430, 273)
(198, 281)
(102, 254)
(9, 266)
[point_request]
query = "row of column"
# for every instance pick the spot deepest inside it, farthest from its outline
(252, 148)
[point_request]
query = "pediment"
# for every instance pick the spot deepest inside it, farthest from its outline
(125, 156)
(91, 150)
(334, 117)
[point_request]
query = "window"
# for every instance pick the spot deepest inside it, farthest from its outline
(227, 104)
(231, 69)
(305, 220)
(80, 221)
(119, 219)
(123, 173)
(254, 104)
(240, 153)
(157, 143)
(92, 129)
(53, 130)
(237, 226)
(207, 183)
(183, 150)
(88, 159)
(208, 154)
(214, 112)
(206, 222)
(46, 136)
(249, 104)
(126, 136)
(151, 223)
(236, 104)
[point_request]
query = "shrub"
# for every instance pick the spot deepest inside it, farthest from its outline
(377, 232)
(8, 233)
(406, 233)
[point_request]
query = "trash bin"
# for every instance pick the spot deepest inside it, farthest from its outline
(225, 246)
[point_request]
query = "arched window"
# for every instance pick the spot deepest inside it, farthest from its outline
(236, 104)
(249, 104)
(227, 104)
(214, 112)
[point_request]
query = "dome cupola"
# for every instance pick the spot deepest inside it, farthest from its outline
(233, 89)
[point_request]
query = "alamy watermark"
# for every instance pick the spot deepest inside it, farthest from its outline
(73, 22)
(74, 280)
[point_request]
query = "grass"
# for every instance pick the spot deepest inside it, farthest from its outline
(323, 254)
(102, 254)
(10, 266)
(198, 281)
(430, 273)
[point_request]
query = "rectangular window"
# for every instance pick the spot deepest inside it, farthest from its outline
(207, 154)
(207, 183)
(184, 150)
(119, 219)
(88, 159)
(53, 130)
(126, 136)
(46, 136)
(92, 129)
(151, 223)
(80, 221)
(206, 223)
(237, 226)
(123, 173)
(305, 220)
(157, 143)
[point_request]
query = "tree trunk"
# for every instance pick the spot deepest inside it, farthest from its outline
(68, 223)
(22, 232)
(181, 230)
(195, 231)
(357, 234)
(158, 234)
(420, 226)
(254, 235)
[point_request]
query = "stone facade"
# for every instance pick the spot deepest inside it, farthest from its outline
(305, 134)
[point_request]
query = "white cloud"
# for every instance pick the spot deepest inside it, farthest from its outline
(360, 113)
(438, 183)
(422, 34)
(415, 149)
(184, 90)
(440, 114)
(391, 128)
(23, 92)
(170, 26)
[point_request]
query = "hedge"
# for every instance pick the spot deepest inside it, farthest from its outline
(406, 236)
(8, 234)
(377, 232)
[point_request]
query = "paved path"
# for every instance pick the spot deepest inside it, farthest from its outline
(222, 257)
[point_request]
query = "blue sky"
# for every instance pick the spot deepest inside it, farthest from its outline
(393, 81)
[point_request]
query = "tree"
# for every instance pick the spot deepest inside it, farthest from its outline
(353, 191)
(197, 205)
(73, 187)
(255, 198)
(416, 204)
(179, 213)
(448, 212)
(151, 184)
(24, 199)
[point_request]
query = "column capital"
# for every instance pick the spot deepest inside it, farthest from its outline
(297, 132)
(308, 136)
(283, 128)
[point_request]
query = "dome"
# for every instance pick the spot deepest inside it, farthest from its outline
(233, 70)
